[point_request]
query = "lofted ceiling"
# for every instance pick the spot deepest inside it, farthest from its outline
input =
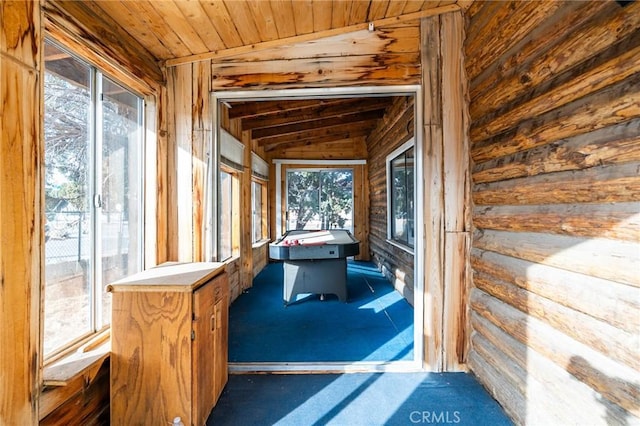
(173, 32)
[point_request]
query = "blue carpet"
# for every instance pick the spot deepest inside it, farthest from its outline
(356, 399)
(375, 325)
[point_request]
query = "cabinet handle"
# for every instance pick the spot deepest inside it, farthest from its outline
(213, 322)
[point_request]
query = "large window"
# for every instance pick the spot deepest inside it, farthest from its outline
(400, 175)
(320, 199)
(93, 196)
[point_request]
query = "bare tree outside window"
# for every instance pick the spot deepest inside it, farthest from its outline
(93, 148)
(320, 199)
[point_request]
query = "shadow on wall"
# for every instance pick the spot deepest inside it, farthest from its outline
(613, 414)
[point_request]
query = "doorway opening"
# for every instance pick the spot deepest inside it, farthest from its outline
(287, 217)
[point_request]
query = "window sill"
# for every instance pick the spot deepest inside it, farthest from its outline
(231, 259)
(88, 357)
(261, 243)
(72, 374)
(401, 246)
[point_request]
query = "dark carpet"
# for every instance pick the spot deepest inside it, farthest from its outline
(376, 324)
(356, 399)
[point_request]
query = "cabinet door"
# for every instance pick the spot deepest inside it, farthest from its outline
(204, 328)
(221, 342)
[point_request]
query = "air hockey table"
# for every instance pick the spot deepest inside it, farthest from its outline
(315, 261)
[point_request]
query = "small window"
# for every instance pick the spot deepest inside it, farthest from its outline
(229, 241)
(400, 175)
(259, 211)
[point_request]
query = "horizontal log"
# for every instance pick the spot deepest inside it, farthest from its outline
(488, 75)
(479, 14)
(608, 377)
(585, 42)
(608, 301)
(554, 378)
(610, 145)
(608, 259)
(379, 69)
(606, 184)
(544, 390)
(393, 254)
(513, 22)
(618, 344)
(617, 221)
(493, 377)
(615, 105)
(502, 360)
(399, 115)
(621, 62)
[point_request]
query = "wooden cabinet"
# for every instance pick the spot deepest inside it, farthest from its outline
(169, 334)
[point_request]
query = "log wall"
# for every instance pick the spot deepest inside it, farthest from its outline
(555, 125)
(21, 206)
(395, 128)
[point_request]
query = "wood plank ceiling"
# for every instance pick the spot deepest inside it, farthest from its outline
(297, 123)
(180, 31)
(174, 29)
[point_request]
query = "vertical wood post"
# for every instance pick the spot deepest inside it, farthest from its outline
(246, 217)
(446, 182)
(456, 192)
(21, 239)
(180, 164)
(433, 206)
(162, 210)
(202, 127)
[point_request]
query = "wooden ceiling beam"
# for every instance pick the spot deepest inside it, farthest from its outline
(350, 106)
(308, 142)
(226, 53)
(247, 109)
(294, 128)
(344, 129)
(79, 22)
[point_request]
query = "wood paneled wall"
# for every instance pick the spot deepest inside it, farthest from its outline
(85, 400)
(555, 110)
(395, 128)
(388, 55)
(21, 206)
